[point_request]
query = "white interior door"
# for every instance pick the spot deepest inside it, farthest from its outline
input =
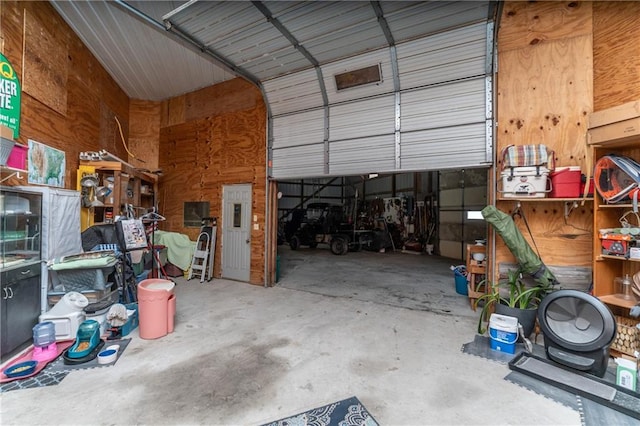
(236, 232)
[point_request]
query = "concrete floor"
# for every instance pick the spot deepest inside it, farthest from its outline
(246, 355)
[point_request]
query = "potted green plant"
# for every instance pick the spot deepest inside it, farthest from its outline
(515, 298)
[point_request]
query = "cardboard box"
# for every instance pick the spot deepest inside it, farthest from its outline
(615, 114)
(615, 125)
(6, 132)
(627, 373)
(622, 131)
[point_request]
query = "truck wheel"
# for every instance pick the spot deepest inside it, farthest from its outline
(294, 243)
(339, 246)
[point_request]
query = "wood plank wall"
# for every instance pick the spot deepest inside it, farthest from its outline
(69, 101)
(559, 61)
(209, 138)
(544, 94)
(616, 53)
(144, 134)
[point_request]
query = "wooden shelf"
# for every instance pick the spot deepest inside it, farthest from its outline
(608, 256)
(618, 300)
(615, 206)
(607, 268)
(548, 200)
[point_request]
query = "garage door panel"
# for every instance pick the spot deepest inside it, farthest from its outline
(347, 157)
(368, 117)
(294, 92)
(381, 57)
(439, 123)
(443, 148)
(298, 129)
(441, 106)
(298, 161)
(449, 56)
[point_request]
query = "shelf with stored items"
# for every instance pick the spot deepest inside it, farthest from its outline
(615, 132)
(119, 186)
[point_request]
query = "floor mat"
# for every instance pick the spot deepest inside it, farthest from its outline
(481, 347)
(591, 412)
(348, 412)
(56, 371)
(59, 365)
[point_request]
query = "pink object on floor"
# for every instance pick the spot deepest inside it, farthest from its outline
(45, 353)
(156, 308)
(27, 356)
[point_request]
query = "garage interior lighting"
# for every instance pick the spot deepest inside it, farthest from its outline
(474, 215)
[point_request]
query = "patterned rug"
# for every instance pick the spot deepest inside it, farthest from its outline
(348, 412)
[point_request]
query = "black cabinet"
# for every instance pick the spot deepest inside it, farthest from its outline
(20, 306)
(20, 267)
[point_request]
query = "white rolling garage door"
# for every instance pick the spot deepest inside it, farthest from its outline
(437, 115)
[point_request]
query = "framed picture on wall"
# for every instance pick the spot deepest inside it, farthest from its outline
(46, 165)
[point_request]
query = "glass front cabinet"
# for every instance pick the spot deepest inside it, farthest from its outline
(20, 258)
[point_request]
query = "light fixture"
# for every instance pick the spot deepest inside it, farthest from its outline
(373, 175)
(102, 191)
(91, 191)
(474, 215)
(89, 181)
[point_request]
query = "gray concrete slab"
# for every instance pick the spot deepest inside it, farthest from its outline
(245, 355)
(407, 280)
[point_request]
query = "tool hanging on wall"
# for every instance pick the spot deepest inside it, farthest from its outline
(204, 254)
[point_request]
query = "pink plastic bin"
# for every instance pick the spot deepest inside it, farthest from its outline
(156, 308)
(18, 157)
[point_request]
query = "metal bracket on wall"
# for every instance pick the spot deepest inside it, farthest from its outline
(15, 173)
(569, 206)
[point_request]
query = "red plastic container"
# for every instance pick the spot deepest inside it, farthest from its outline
(18, 157)
(565, 182)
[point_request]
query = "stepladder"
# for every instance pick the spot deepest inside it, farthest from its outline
(205, 251)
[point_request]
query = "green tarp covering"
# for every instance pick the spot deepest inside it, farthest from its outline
(519, 247)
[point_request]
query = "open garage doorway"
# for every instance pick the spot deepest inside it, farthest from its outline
(400, 234)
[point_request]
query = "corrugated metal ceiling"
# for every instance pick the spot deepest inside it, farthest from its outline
(235, 38)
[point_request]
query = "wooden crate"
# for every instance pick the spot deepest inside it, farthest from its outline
(627, 339)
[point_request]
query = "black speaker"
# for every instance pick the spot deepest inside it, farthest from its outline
(578, 330)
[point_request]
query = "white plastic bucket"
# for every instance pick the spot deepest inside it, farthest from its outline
(503, 331)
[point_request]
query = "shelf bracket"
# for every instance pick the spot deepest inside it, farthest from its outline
(569, 206)
(12, 174)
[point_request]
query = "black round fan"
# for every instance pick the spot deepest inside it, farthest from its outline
(578, 330)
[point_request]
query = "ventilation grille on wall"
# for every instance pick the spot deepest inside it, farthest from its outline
(368, 75)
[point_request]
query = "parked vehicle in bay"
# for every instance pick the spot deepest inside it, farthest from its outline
(325, 223)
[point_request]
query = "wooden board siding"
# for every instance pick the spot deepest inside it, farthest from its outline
(71, 105)
(524, 24)
(616, 53)
(200, 155)
(544, 94)
(144, 133)
(45, 54)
